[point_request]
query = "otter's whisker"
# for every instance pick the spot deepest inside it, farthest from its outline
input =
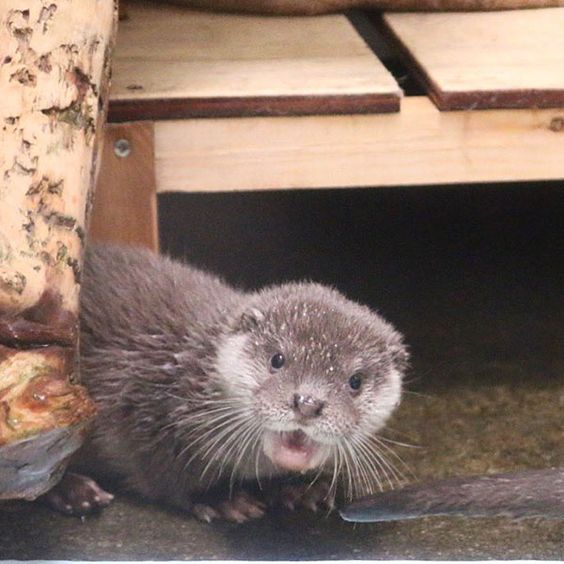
(246, 441)
(203, 432)
(257, 459)
(223, 450)
(362, 469)
(337, 464)
(372, 461)
(346, 464)
(225, 428)
(229, 444)
(398, 443)
(393, 453)
(246, 436)
(383, 463)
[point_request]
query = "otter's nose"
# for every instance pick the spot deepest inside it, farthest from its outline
(308, 406)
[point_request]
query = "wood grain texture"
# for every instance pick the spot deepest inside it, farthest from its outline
(486, 60)
(125, 206)
(420, 145)
(313, 7)
(179, 108)
(172, 62)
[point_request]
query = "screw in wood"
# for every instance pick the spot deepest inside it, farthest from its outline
(122, 148)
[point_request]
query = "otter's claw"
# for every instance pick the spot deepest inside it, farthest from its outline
(313, 497)
(240, 508)
(77, 495)
(205, 513)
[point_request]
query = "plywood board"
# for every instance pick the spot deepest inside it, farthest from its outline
(419, 145)
(511, 59)
(173, 62)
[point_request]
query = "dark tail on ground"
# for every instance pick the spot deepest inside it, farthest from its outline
(530, 493)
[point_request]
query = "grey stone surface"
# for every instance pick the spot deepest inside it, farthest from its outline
(132, 530)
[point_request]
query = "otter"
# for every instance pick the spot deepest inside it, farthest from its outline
(529, 493)
(202, 387)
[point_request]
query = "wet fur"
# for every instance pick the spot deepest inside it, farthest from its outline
(174, 358)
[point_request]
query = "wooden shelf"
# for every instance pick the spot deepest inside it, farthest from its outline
(175, 63)
(217, 73)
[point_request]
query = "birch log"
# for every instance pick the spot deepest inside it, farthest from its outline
(54, 73)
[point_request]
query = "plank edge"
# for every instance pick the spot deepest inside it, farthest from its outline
(260, 106)
(470, 99)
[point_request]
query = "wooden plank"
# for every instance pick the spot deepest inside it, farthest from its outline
(171, 62)
(419, 145)
(314, 7)
(125, 205)
(486, 60)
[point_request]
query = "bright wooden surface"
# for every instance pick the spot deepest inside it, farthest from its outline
(207, 61)
(419, 145)
(495, 59)
(125, 204)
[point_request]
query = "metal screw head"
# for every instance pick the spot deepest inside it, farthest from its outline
(122, 148)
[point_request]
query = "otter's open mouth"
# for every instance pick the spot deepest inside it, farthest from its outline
(293, 450)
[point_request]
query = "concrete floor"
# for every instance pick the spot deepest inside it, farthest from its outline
(474, 278)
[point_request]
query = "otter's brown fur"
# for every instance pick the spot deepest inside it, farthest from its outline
(201, 385)
(531, 493)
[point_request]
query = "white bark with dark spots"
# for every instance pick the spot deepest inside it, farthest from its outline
(54, 75)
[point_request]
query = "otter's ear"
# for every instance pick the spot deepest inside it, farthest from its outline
(250, 319)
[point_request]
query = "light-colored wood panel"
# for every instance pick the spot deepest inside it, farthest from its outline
(214, 79)
(166, 52)
(313, 7)
(420, 145)
(496, 59)
(125, 204)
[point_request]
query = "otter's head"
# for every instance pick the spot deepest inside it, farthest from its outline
(315, 374)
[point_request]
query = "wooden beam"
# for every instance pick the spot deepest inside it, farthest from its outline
(125, 206)
(419, 145)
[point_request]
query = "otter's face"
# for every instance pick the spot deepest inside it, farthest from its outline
(319, 374)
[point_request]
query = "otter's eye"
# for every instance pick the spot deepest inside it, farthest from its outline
(355, 381)
(277, 361)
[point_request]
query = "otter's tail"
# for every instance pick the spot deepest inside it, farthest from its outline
(530, 493)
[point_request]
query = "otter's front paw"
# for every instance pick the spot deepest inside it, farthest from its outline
(314, 497)
(238, 509)
(77, 495)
